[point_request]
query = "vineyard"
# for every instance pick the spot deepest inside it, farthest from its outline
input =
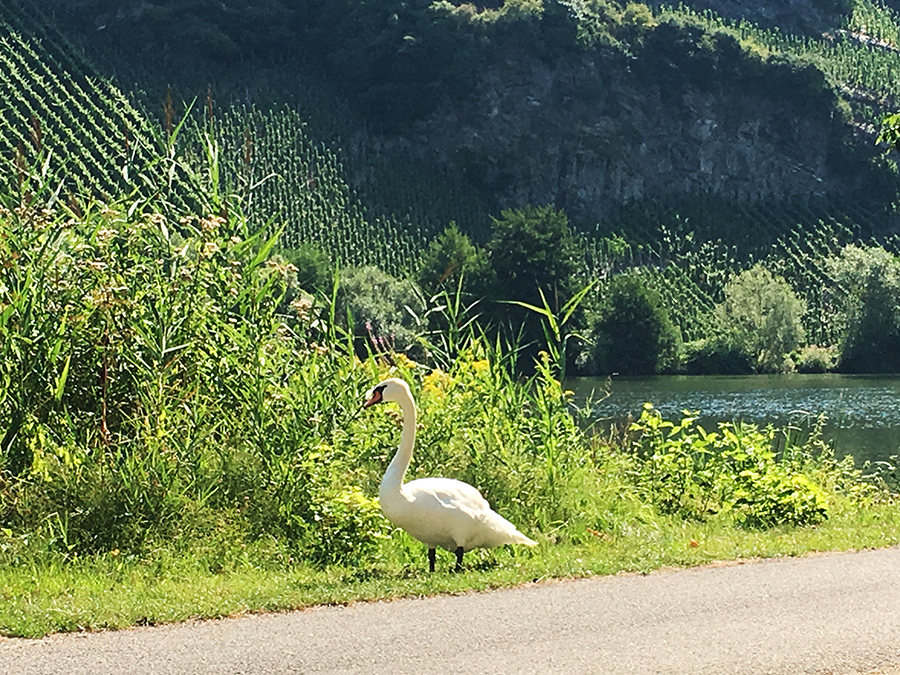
(861, 59)
(343, 206)
(60, 116)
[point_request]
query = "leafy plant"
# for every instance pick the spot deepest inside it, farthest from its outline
(448, 260)
(384, 311)
(556, 331)
(688, 471)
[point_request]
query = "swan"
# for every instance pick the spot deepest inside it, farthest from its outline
(439, 512)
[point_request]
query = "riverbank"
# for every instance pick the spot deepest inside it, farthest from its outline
(223, 464)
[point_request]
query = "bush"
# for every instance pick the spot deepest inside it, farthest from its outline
(387, 314)
(816, 359)
(314, 270)
(634, 335)
(871, 340)
(533, 248)
(761, 316)
(715, 357)
(532, 251)
(448, 258)
(692, 473)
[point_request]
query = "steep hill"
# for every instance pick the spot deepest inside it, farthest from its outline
(684, 144)
(705, 136)
(587, 105)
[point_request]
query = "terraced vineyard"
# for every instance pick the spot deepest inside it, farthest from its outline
(288, 178)
(861, 60)
(688, 251)
(61, 117)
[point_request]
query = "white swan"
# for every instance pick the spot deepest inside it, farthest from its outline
(439, 512)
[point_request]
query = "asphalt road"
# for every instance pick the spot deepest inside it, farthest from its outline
(835, 613)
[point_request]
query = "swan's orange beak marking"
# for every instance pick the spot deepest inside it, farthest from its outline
(376, 398)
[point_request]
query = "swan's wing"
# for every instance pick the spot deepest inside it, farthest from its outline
(449, 513)
(449, 493)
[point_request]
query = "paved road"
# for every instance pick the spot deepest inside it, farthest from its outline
(836, 613)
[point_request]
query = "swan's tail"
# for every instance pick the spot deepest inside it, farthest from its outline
(515, 537)
(499, 531)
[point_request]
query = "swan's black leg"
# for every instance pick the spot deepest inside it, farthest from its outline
(459, 555)
(431, 560)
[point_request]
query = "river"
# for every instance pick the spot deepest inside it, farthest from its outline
(863, 412)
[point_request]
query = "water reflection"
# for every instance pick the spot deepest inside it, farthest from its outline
(863, 412)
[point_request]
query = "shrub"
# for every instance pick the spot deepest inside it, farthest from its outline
(715, 357)
(447, 259)
(761, 316)
(387, 313)
(532, 251)
(314, 270)
(871, 341)
(533, 248)
(693, 473)
(634, 334)
(816, 359)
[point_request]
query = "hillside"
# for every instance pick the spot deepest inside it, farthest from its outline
(706, 136)
(583, 105)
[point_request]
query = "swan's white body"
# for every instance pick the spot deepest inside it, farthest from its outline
(439, 512)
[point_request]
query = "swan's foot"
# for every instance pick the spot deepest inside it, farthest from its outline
(431, 554)
(459, 555)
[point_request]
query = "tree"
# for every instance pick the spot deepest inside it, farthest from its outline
(386, 312)
(447, 258)
(871, 312)
(532, 252)
(533, 248)
(761, 317)
(635, 335)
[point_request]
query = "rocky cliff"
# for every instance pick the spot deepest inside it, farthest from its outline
(591, 131)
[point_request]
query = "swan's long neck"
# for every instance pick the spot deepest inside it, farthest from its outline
(393, 477)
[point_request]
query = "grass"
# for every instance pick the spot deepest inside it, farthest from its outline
(111, 592)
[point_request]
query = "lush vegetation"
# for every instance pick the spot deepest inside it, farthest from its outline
(194, 301)
(172, 400)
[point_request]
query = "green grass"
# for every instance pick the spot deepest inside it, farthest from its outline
(108, 591)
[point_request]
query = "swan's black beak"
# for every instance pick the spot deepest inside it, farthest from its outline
(374, 397)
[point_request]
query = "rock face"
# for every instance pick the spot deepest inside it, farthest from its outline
(589, 133)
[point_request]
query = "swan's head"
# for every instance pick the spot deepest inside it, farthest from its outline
(388, 390)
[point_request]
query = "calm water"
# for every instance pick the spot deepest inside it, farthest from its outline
(863, 411)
